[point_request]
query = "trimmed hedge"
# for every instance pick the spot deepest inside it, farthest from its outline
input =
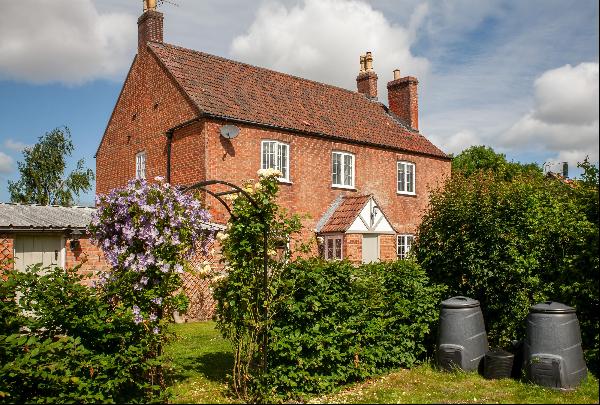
(338, 323)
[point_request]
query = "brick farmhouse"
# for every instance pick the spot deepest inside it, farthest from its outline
(361, 170)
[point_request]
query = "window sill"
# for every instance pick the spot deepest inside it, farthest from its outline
(283, 181)
(343, 187)
(405, 193)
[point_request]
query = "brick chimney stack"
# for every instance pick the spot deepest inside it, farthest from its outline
(150, 25)
(403, 98)
(366, 81)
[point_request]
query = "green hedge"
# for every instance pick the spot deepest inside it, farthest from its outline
(339, 323)
(77, 347)
(512, 244)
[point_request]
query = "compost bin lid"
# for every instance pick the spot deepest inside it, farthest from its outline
(460, 302)
(551, 307)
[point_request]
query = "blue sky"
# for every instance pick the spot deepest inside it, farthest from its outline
(520, 76)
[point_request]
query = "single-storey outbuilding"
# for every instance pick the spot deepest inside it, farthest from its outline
(50, 235)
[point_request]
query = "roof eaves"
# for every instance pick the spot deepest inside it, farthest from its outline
(323, 135)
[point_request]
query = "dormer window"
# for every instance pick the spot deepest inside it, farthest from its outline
(140, 166)
(276, 155)
(342, 169)
(406, 178)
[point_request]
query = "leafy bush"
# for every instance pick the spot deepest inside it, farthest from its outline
(66, 343)
(337, 323)
(511, 244)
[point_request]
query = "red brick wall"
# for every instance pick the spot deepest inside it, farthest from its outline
(89, 256)
(6, 250)
(352, 247)
(387, 247)
(149, 105)
(310, 190)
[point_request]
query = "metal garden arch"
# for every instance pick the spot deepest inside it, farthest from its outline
(233, 189)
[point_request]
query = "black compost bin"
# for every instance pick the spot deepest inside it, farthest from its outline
(462, 341)
(552, 352)
(497, 364)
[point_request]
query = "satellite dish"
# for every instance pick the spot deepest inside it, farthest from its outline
(229, 131)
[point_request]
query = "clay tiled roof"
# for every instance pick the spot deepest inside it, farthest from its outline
(345, 214)
(224, 88)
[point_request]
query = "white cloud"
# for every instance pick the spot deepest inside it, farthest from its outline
(564, 118)
(63, 41)
(15, 146)
(457, 142)
(568, 95)
(6, 163)
(323, 39)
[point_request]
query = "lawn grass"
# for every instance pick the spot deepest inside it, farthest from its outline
(202, 360)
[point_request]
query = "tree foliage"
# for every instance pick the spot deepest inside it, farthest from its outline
(513, 243)
(42, 178)
(483, 158)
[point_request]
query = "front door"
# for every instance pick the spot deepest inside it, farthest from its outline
(370, 248)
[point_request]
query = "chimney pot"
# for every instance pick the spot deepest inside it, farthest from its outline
(396, 74)
(366, 81)
(149, 5)
(369, 62)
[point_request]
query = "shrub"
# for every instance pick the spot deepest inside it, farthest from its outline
(337, 323)
(73, 346)
(511, 244)
(65, 342)
(147, 231)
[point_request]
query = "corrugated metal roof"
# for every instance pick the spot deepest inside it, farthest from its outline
(52, 217)
(43, 217)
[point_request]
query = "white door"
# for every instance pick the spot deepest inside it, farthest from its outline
(33, 249)
(370, 248)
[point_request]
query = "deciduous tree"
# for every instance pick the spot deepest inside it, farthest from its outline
(42, 172)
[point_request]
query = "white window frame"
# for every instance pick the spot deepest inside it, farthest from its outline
(406, 178)
(343, 183)
(337, 246)
(404, 244)
(277, 158)
(140, 165)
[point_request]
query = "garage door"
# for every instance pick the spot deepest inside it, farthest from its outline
(33, 249)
